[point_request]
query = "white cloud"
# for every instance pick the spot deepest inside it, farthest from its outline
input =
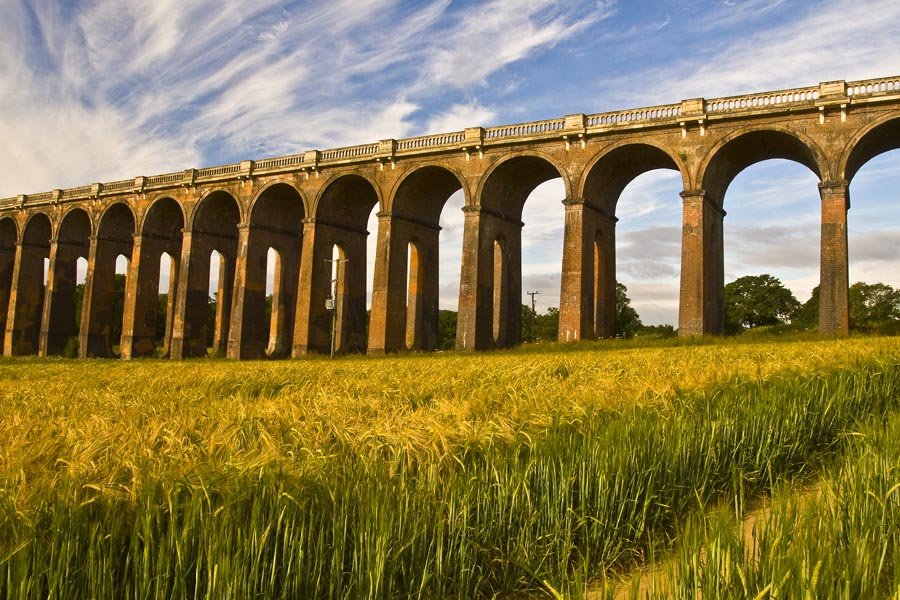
(460, 116)
(500, 32)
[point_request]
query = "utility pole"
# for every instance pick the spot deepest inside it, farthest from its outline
(331, 301)
(533, 313)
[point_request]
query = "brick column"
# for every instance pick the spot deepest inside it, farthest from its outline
(243, 287)
(588, 288)
(26, 299)
(402, 318)
(473, 325)
(223, 304)
(834, 284)
(312, 332)
(387, 321)
(142, 298)
(58, 320)
(475, 322)
(701, 310)
(185, 342)
(312, 324)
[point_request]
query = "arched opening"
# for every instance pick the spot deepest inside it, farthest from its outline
(102, 315)
(165, 305)
(337, 298)
(773, 205)
(219, 289)
(274, 310)
(214, 229)
(342, 214)
(414, 296)
(65, 298)
(507, 190)
(264, 311)
(155, 285)
(633, 217)
(874, 226)
(9, 235)
(500, 305)
(406, 302)
(23, 327)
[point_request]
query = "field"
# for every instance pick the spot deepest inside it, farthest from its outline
(594, 470)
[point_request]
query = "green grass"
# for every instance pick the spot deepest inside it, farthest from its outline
(439, 477)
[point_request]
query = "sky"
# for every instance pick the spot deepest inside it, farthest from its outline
(110, 89)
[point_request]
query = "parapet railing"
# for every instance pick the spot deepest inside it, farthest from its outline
(873, 87)
(803, 98)
(752, 102)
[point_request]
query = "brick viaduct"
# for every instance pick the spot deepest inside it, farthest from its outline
(304, 205)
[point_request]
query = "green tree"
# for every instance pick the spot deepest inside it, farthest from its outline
(628, 322)
(873, 307)
(757, 300)
(807, 316)
(447, 329)
(546, 326)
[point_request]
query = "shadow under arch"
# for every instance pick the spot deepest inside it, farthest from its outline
(161, 235)
(60, 321)
(406, 287)
(9, 238)
(342, 212)
(876, 139)
(276, 224)
(115, 237)
(213, 228)
(497, 210)
(26, 300)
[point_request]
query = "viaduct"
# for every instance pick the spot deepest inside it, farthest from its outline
(305, 205)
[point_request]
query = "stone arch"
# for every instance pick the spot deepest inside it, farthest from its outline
(265, 189)
(346, 201)
(429, 184)
(214, 224)
(213, 206)
(876, 138)
(101, 321)
(406, 290)
(27, 291)
(611, 170)
(506, 185)
(161, 234)
(165, 203)
(749, 146)
(275, 222)
(60, 321)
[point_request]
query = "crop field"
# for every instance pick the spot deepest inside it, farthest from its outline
(726, 468)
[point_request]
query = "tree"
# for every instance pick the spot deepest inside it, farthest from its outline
(807, 316)
(545, 327)
(628, 322)
(756, 300)
(873, 306)
(447, 329)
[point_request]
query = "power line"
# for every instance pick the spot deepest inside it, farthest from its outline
(533, 312)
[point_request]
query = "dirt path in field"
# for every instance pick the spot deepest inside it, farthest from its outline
(655, 579)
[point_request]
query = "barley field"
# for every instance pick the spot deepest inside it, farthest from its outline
(541, 472)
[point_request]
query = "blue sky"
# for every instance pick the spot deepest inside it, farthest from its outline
(111, 89)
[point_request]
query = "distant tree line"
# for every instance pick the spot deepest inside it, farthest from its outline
(762, 300)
